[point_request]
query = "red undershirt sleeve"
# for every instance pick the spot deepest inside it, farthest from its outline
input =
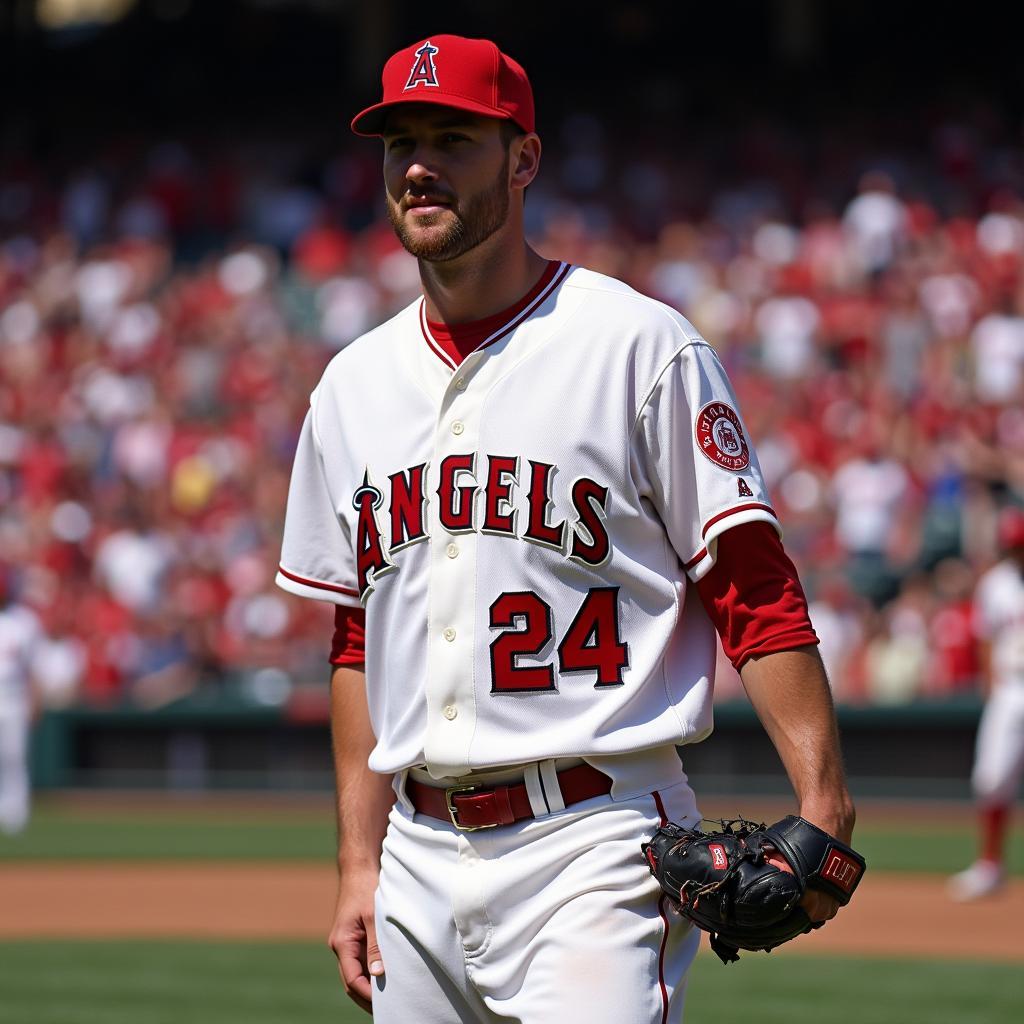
(753, 595)
(349, 644)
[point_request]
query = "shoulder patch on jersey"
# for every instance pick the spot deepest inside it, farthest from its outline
(720, 437)
(744, 489)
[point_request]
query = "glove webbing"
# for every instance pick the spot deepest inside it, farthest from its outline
(740, 828)
(694, 890)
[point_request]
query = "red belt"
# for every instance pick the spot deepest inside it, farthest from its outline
(472, 807)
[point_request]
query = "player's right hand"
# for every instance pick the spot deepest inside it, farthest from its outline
(353, 937)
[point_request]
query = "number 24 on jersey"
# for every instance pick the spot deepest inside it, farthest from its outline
(590, 644)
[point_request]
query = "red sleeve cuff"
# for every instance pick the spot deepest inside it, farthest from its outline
(753, 595)
(348, 646)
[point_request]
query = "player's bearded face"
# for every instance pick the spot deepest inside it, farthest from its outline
(457, 228)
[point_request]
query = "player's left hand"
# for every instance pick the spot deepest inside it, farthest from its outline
(838, 821)
(754, 886)
(819, 906)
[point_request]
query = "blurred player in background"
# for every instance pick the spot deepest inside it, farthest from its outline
(999, 750)
(20, 636)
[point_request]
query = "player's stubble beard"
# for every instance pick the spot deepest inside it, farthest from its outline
(477, 218)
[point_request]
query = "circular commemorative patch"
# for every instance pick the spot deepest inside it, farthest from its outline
(720, 437)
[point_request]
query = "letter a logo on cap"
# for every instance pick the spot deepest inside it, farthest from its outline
(423, 70)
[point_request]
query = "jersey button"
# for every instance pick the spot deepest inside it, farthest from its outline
(450, 712)
(458, 427)
(460, 384)
(452, 550)
(449, 634)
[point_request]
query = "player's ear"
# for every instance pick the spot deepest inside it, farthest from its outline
(524, 160)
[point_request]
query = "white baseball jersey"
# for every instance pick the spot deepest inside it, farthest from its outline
(20, 636)
(999, 618)
(522, 527)
(999, 749)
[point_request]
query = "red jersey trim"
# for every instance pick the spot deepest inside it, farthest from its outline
(317, 583)
(665, 925)
(697, 558)
(702, 554)
(732, 511)
(500, 333)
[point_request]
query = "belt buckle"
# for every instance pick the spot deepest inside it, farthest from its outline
(453, 811)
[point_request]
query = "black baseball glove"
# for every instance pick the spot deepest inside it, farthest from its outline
(723, 882)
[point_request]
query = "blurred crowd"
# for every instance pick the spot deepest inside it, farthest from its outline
(165, 310)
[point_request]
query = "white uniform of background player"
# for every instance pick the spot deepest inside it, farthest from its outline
(20, 636)
(999, 747)
(523, 529)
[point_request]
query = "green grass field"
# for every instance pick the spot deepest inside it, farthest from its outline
(60, 832)
(296, 983)
(103, 982)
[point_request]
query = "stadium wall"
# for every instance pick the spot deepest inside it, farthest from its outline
(917, 750)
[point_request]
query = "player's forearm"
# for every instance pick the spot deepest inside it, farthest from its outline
(364, 798)
(790, 692)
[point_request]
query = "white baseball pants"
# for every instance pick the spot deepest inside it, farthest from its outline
(552, 919)
(14, 782)
(999, 747)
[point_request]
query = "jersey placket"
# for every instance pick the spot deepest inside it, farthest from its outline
(450, 697)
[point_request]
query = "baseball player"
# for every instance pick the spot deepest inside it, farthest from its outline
(999, 747)
(20, 636)
(533, 500)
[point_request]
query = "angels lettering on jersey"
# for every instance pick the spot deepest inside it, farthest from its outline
(516, 501)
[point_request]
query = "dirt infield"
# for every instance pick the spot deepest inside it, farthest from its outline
(900, 915)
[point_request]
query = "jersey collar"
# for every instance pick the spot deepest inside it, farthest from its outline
(516, 319)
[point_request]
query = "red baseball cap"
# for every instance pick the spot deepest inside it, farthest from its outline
(452, 71)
